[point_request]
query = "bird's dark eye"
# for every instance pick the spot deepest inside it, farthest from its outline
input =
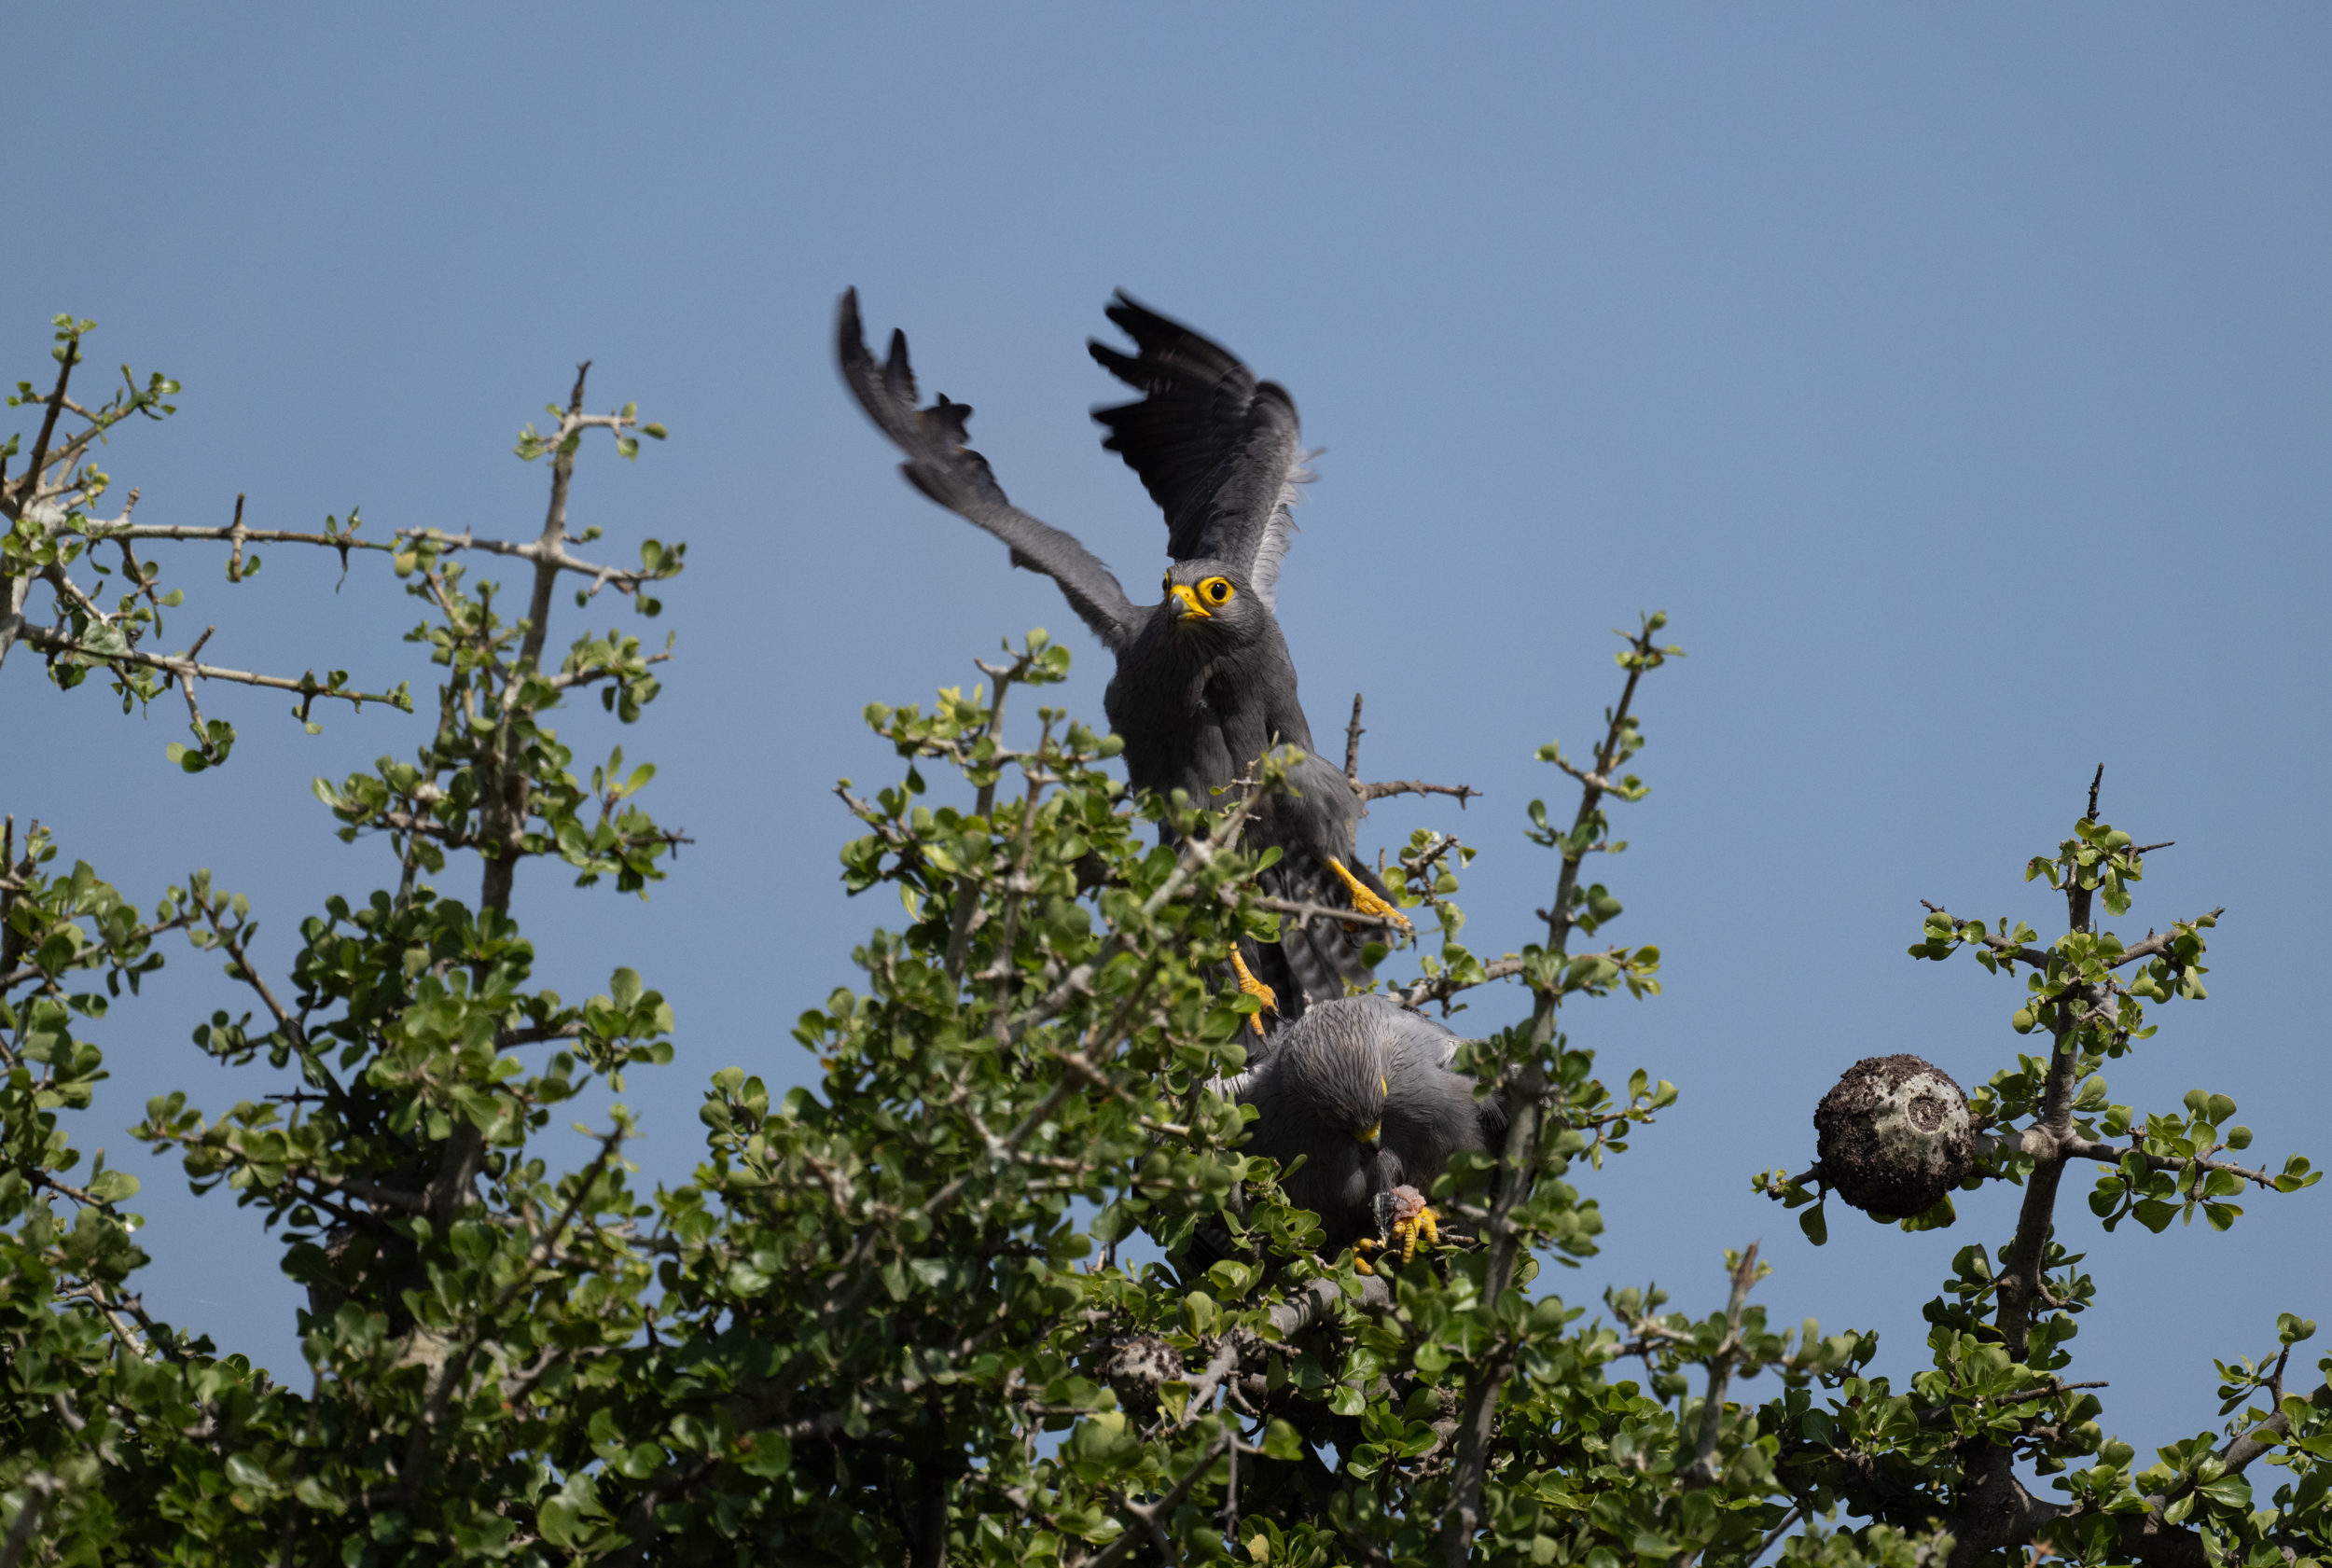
(1166, 583)
(1218, 591)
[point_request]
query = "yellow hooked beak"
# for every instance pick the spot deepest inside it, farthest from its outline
(1191, 608)
(1370, 1137)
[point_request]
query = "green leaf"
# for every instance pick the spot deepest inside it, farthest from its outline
(765, 1454)
(2228, 1491)
(624, 985)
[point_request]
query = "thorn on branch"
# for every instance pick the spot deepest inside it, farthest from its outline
(1368, 792)
(1415, 786)
(185, 685)
(29, 486)
(236, 535)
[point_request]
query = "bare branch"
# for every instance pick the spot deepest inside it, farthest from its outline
(585, 677)
(1775, 1533)
(1440, 988)
(248, 972)
(2077, 1147)
(57, 642)
(1941, 1414)
(1416, 787)
(506, 788)
(2157, 943)
(373, 1192)
(1305, 913)
(1220, 1365)
(2013, 952)
(622, 578)
(28, 486)
(1353, 732)
(505, 1039)
(185, 685)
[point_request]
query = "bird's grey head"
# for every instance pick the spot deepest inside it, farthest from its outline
(1209, 598)
(1340, 1083)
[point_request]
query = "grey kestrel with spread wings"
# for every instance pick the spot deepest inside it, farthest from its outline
(1204, 685)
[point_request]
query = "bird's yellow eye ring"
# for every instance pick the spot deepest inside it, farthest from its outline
(1166, 584)
(1217, 589)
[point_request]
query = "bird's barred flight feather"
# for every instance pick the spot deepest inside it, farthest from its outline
(1219, 452)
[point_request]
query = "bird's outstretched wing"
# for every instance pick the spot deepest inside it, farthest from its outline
(940, 465)
(1217, 450)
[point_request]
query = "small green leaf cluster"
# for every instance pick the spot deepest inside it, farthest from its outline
(2167, 1176)
(70, 1400)
(2098, 858)
(494, 778)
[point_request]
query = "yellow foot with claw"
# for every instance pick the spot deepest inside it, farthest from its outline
(1361, 1248)
(1423, 1225)
(1368, 903)
(1404, 1218)
(1255, 988)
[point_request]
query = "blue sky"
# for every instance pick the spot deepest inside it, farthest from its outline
(1956, 380)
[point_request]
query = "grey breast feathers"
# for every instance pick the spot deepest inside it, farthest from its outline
(1321, 1084)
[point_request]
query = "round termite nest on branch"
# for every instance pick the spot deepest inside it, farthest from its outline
(1134, 1367)
(1894, 1135)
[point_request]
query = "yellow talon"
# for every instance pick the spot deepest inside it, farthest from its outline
(1359, 1249)
(1366, 902)
(1255, 988)
(1424, 1225)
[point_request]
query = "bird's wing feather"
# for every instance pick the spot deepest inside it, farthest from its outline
(1426, 1055)
(1218, 451)
(940, 465)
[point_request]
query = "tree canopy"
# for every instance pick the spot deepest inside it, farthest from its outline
(899, 1316)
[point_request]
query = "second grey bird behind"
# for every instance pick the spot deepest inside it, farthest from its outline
(1364, 1091)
